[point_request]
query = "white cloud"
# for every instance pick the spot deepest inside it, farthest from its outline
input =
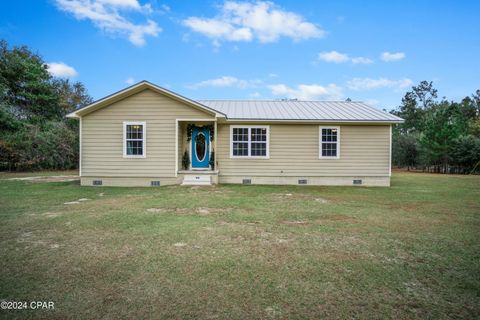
(338, 57)
(255, 95)
(333, 56)
(226, 81)
(130, 81)
(392, 56)
(217, 29)
(61, 70)
(363, 84)
(361, 60)
(131, 4)
(165, 8)
(245, 21)
(308, 91)
(105, 15)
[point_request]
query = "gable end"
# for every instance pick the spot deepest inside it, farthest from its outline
(137, 88)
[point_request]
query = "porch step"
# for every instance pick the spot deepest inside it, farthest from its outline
(197, 180)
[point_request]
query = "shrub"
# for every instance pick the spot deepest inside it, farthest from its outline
(466, 152)
(52, 145)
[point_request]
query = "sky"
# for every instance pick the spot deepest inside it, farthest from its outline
(371, 51)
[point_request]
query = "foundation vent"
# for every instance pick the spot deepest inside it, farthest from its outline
(247, 181)
(155, 183)
(302, 181)
(357, 181)
(97, 182)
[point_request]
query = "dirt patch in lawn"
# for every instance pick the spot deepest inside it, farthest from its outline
(204, 211)
(29, 239)
(52, 214)
(77, 201)
(180, 244)
(201, 211)
(299, 196)
(296, 222)
(169, 210)
(47, 178)
(290, 196)
(72, 202)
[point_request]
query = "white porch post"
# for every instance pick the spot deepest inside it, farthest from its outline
(215, 143)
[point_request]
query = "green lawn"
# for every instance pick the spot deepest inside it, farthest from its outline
(242, 252)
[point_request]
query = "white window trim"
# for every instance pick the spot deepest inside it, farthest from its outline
(320, 142)
(144, 134)
(249, 127)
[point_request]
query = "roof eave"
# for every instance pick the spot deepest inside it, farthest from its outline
(73, 115)
(138, 87)
(316, 121)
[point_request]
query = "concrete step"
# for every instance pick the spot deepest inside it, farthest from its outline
(197, 180)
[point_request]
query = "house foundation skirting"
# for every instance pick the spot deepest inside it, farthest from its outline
(130, 181)
(369, 181)
(379, 181)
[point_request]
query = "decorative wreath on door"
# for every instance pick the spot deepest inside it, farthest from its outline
(190, 128)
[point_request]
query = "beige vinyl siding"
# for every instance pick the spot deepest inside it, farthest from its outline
(294, 151)
(102, 136)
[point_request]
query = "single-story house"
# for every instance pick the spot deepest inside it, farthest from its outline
(146, 135)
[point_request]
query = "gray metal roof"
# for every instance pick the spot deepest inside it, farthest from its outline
(299, 110)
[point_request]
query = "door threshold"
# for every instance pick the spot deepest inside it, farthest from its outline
(198, 171)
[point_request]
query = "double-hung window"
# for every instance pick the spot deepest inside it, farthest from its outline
(134, 139)
(330, 142)
(249, 141)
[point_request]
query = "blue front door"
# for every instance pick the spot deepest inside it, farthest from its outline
(200, 148)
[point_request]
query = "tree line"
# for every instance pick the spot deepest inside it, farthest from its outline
(34, 133)
(438, 135)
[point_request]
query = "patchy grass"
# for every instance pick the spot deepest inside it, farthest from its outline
(8, 174)
(240, 252)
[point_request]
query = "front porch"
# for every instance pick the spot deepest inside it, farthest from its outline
(196, 145)
(198, 177)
